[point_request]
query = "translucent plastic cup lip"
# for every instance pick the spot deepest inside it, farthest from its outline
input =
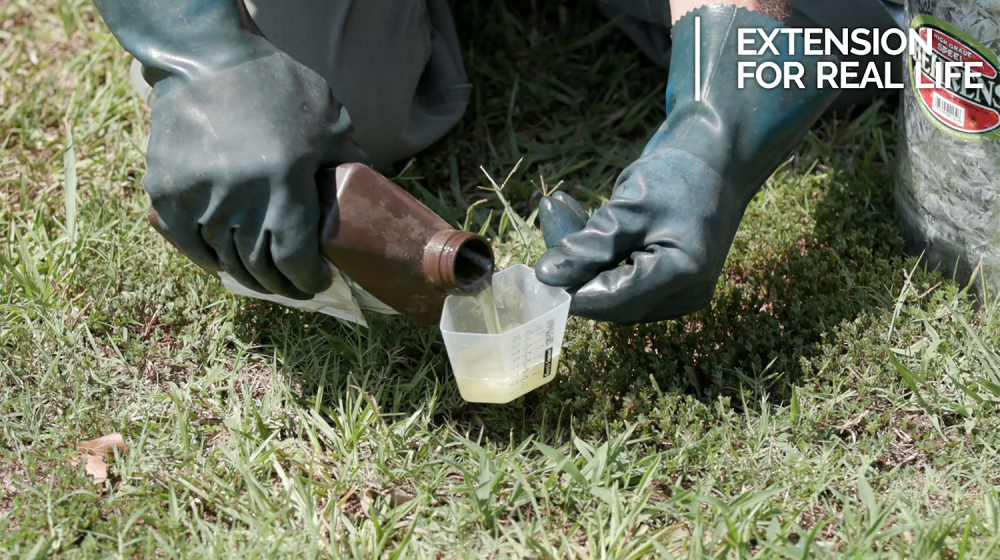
(562, 297)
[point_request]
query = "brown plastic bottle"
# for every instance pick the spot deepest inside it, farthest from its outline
(395, 247)
(392, 245)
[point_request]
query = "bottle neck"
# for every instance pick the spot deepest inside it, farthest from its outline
(458, 262)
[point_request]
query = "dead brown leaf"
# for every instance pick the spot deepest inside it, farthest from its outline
(367, 499)
(395, 497)
(97, 453)
(97, 468)
(104, 446)
(398, 497)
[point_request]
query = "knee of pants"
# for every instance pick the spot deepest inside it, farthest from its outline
(648, 25)
(851, 15)
(395, 65)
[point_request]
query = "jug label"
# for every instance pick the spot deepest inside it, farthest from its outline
(547, 371)
(970, 113)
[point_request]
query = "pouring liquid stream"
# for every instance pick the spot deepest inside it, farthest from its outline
(481, 390)
(489, 308)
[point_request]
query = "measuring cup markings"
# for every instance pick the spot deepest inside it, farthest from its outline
(530, 349)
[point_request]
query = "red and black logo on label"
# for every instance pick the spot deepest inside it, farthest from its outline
(967, 106)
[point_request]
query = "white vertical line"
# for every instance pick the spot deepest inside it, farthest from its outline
(697, 58)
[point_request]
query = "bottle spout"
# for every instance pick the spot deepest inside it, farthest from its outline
(459, 262)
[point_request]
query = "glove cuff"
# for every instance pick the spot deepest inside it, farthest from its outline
(743, 133)
(183, 40)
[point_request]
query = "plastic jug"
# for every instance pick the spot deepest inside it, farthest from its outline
(498, 368)
(947, 190)
(393, 246)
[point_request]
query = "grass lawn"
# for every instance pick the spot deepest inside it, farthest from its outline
(835, 401)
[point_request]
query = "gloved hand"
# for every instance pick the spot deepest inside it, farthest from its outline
(657, 249)
(239, 131)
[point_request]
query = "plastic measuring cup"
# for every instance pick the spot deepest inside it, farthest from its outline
(498, 368)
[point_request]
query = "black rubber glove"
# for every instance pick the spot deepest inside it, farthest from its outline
(239, 131)
(656, 250)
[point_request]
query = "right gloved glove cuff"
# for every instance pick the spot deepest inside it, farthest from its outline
(743, 133)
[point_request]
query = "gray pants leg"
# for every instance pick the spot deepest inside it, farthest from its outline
(647, 23)
(396, 65)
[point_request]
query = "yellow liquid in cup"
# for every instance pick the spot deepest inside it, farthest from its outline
(505, 390)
